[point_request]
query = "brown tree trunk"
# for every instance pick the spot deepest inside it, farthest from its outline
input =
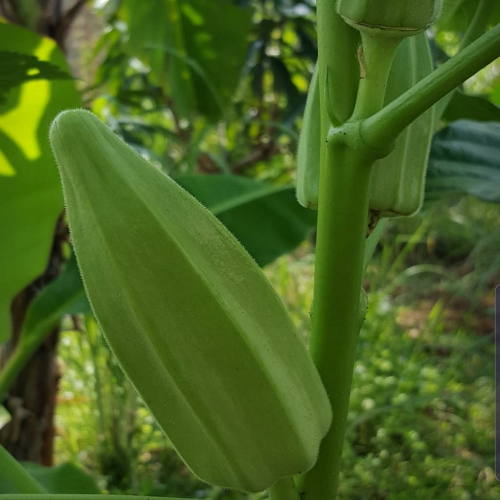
(29, 436)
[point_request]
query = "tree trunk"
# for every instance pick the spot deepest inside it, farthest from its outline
(29, 436)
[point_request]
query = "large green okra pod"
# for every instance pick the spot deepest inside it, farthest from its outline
(191, 318)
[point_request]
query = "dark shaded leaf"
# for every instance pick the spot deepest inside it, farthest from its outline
(17, 68)
(283, 82)
(307, 41)
(216, 35)
(470, 107)
(154, 27)
(439, 56)
(65, 295)
(64, 478)
(457, 14)
(372, 240)
(194, 52)
(465, 158)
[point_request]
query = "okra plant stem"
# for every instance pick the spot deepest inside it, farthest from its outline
(375, 61)
(342, 220)
(345, 172)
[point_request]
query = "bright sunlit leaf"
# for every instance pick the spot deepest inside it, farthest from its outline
(30, 192)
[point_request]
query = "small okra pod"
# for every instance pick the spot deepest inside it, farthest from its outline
(398, 180)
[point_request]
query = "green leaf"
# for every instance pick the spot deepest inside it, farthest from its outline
(471, 107)
(453, 13)
(65, 295)
(465, 158)
(30, 191)
(372, 240)
(152, 27)
(64, 478)
(216, 35)
(284, 83)
(16, 69)
(24, 496)
(267, 221)
(495, 95)
(5, 416)
(457, 14)
(13, 476)
(196, 49)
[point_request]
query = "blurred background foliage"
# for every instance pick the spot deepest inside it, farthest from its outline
(212, 93)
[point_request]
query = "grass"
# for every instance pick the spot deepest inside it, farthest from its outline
(421, 423)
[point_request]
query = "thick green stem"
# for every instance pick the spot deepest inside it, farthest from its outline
(14, 475)
(342, 222)
(384, 126)
(376, 62)
(342, 217)
(284, 489)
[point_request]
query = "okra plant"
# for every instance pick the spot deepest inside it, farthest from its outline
(189, 315)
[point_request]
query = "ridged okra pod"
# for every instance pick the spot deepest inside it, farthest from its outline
(188, 313)
(400, 18)
(308, 154)
(398, 180)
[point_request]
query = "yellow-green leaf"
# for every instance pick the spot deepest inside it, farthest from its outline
(30, 194)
